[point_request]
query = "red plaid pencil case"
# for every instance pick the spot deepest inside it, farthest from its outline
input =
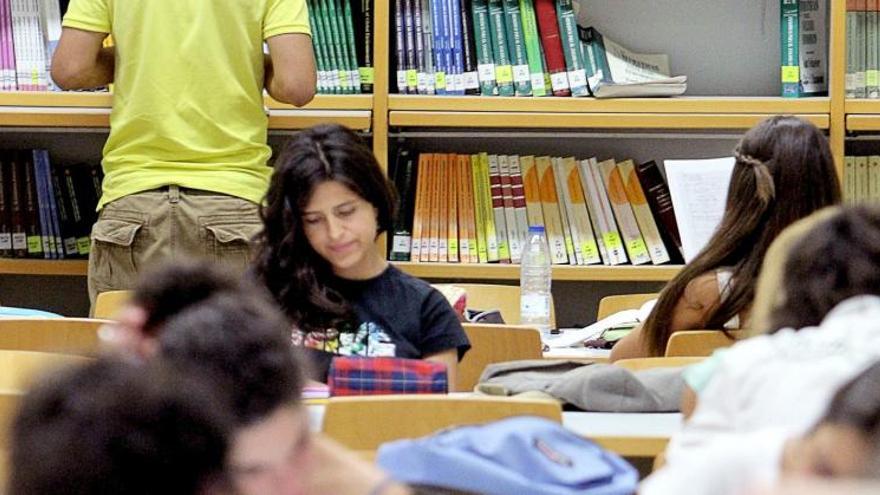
(385, 375)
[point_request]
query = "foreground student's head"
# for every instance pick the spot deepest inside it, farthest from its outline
(327, 202)
(846, 442)
(783, 172)
(244, 344)
(111, 427)
(837, 258)
(161, 292)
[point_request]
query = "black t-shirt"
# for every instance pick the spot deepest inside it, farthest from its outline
(399, 315)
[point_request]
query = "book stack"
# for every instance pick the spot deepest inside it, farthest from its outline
(803, 47)
(477, 208)
(516, 48)
(861, 179)
(342, 35)
(46, 211)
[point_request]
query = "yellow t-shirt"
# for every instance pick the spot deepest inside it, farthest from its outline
(188, 91)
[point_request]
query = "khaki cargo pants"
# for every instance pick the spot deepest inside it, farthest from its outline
(142, 229)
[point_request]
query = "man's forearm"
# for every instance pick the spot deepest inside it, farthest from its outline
(97, 74)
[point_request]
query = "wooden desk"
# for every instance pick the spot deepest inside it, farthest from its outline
(579, 354)
(628, 434)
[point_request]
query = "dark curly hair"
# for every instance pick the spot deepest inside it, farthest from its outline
(836, 260)
(783, 172)
(286, 263)
(111, 427)
(243, 341)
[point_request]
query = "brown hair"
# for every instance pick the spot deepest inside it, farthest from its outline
(783, 172)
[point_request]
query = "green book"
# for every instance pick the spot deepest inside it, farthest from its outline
(320, 60)
(788, 42)
(348, 23)
(328, 18)
(483, 41)
(334, 17)
(332, 55)
(571, 48)
(503, 66)
(537, 74)
(516, 46)
(872, 56)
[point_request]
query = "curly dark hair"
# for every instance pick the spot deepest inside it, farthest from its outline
(836, 260)
(111, 427)
(783, 172)
(243, 341)
(286, 263)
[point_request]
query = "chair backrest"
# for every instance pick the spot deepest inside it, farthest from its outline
(638, 364)
(609, 305)
(504, 298)
(495, 344)
(18, 369)
(107, 304)
(700, 342)
(364, 423)
(63, 335)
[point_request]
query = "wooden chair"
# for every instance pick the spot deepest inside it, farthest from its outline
(62, 335)
(504, 298)
(18, 369)
(107, 304)
(364, 423)
(700, 342)
(9, 403)
(609, 305)
(638, 364)
(495, 344)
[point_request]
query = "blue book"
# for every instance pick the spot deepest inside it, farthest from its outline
(439, 49)
(42, 204)
(53, 203)
(457, 51)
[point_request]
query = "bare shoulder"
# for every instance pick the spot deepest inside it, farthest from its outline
(693, 308)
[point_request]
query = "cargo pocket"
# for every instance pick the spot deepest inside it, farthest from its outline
(228, 240)
(113, 252)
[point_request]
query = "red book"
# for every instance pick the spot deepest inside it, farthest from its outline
(548, 27)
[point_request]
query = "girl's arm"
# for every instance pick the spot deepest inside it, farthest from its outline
(450, 359)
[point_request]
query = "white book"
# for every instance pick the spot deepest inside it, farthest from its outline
(519, 198)
(498, 209)
(593, 208)
(626, 220)
(577, 336)
(606, 227)
(579, 218)
(698, 189)
(642, 212)
(550, 207)
(514, 241)
(50, 23)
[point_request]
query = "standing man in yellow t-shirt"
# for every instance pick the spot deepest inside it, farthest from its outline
(186, 161)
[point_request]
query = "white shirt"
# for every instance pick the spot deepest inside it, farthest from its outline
(780, 382)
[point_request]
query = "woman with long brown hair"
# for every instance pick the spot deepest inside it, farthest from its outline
(327, 203)
(784, 171)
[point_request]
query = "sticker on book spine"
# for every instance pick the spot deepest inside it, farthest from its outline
(504, 74)
(521, 73)
(559, 81)
(486, 72)
(368, 75)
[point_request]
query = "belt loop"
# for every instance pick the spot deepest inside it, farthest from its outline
(173, 194)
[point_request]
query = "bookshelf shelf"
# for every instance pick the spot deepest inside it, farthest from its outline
(92, 110)
(679, 105)
(539, 120)
(569, 273)
(43, 267)
(862, 115)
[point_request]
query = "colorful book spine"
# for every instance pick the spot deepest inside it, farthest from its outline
(462, 179)
(483, 46)
(481, 199)
(551, 46)
(551, 211)
(452, 194)
(347, 21)
(579, 218)
(514, 241)
(606, 232)
(660, 201)
(500, 53)
(572, 247)
(519, 200)
(533, 47)
(498, 208)
(427, 61)
(635, 245)
(439, 25)
(571, 48)
(789, 46)
(532, 190)
(442, 165)
(642, 212)
(516, 48)
(470, 76)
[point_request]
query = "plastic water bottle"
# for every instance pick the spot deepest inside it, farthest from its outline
(534, 282)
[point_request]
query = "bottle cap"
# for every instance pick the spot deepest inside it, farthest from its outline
(537, 229)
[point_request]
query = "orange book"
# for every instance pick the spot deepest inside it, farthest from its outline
(441, 166)
(532, 191)
(471, 214)
(452, 192)
(430, 242)
(419, 213)
(552, 213)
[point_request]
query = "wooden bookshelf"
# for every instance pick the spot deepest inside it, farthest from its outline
(13, 266)
(862, 115)
(597, 273)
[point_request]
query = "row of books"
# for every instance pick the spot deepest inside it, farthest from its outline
(516, 48)
(46, 211)
(29, 33)
(861, 178)
(342, 35)
(862, 49)
(477, 209)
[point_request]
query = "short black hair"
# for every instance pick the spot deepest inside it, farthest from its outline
(243, 341)
(112, 427)
(857, 404)
(168, 288)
